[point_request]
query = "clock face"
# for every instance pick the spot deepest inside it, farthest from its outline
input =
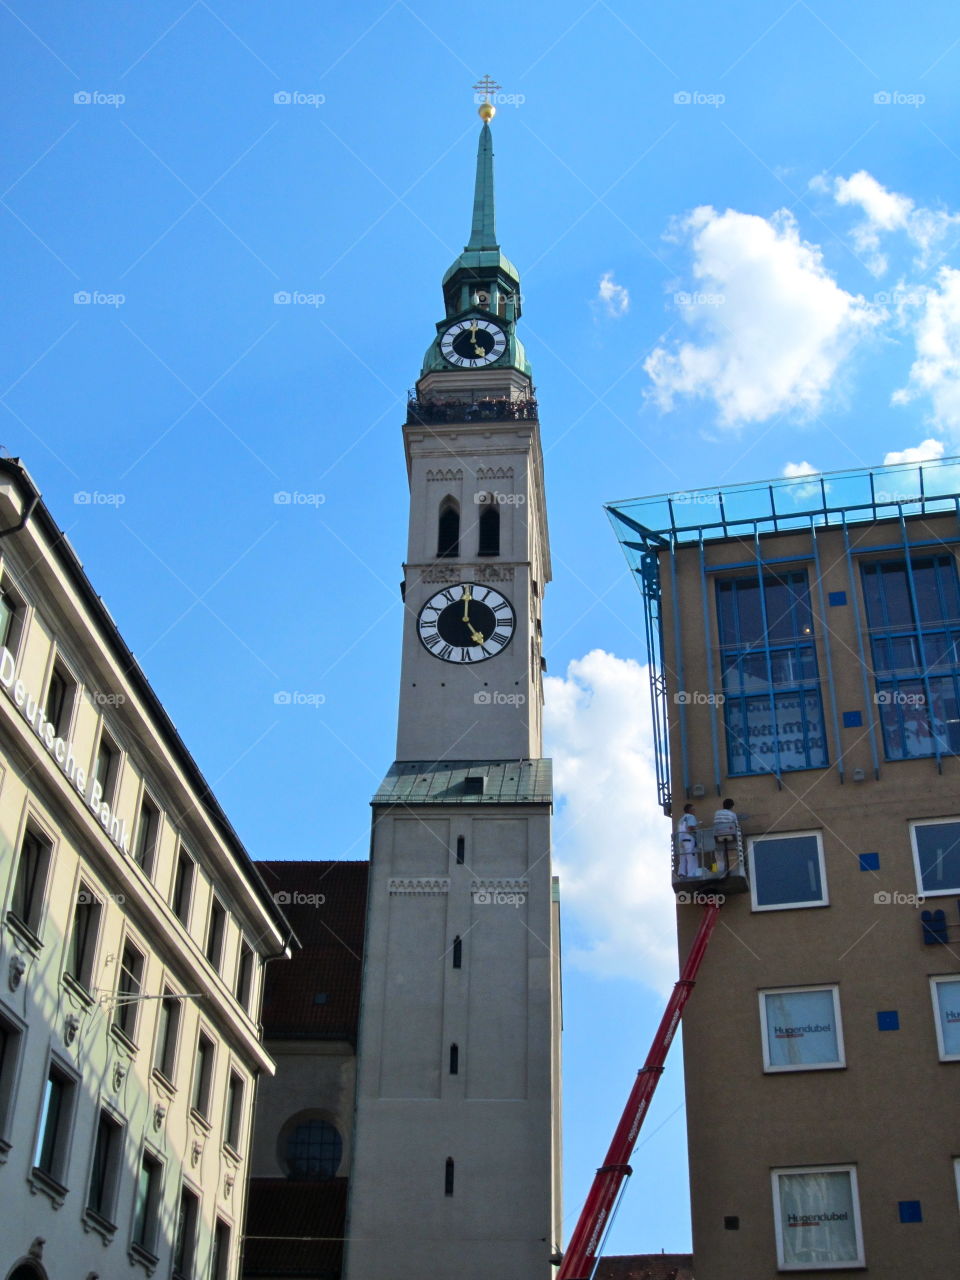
(470, 344)
(467, 622)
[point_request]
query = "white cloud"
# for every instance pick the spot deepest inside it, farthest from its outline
(889, 211)
(935, 371)
(612, 840)
(925, 451)
(615, 297)
(774, 326)
(794, 469)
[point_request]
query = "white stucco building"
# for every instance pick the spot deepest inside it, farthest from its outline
(133, 934)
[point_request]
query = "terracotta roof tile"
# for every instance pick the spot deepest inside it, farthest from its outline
(316, 994)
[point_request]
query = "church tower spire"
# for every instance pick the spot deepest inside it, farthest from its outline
(483, 234)
(455, 1168)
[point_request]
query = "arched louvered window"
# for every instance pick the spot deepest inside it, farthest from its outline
(489, 543)
(448, 529)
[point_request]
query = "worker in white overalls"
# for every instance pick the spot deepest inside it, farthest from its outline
(689, 868)
(726, 828)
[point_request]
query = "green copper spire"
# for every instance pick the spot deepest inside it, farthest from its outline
(483, 234)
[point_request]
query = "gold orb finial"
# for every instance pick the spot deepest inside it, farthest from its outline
(486, 111)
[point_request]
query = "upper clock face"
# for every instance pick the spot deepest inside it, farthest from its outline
(470, 344)
(467, 622)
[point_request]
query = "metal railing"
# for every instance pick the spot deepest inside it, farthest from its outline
(715, 857)
(429, 413)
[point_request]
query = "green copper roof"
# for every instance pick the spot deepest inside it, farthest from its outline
(411, 782)
(483, 234)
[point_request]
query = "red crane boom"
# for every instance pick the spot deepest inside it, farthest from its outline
(580, 1257)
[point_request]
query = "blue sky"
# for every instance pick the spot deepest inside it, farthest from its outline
(737, 234)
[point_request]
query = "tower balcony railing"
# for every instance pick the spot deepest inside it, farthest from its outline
(430, 413)
(714, 863)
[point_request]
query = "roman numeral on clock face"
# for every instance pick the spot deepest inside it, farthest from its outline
(466, 623)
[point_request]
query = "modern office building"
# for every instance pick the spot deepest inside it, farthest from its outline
(804, 644)
(134, 934)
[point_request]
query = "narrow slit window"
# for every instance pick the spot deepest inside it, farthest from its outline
(457, 953)
(448, 530)
(448, 1177)
(461, 848)
(454, 1059)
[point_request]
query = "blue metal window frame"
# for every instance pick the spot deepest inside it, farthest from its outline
(775, 695)
(888, 680)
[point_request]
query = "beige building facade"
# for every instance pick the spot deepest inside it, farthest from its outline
(805, 646)
(133, 937)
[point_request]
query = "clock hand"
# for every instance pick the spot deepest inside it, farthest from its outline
(467, 597)
(477, 636)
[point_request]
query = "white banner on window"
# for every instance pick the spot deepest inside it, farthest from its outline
(818, 1219)
(801, 1028)
(948, 1016)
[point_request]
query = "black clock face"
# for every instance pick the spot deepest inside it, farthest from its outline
(470, 344)
(466, 623)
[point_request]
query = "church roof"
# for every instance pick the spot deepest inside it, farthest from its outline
(646, 1266)
(316, 994)
(445, 782)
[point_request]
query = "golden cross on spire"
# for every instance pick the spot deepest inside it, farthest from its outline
(486, 87)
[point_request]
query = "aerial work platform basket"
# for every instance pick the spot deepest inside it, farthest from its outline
(716, 864)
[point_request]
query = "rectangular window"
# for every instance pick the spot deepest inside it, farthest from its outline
(185, 1235)
(817, 1218)
(787, 871)
(146, 1208)
(771, 685)
(82, 946)
(234, 1125)
(53, 1132)
(148, 828)
(183, 887)
(913, 616)
(946, 1013)
(245, 976)
(105, 1171)
(220, 1262)
(30, 883)
(215, 930)
(11, 1045)
(202, 1076)
(801, 1029)
(58, 707)
(106, 771)
(129, 986)
(168, 1030)
(12, 614)
(936, 856)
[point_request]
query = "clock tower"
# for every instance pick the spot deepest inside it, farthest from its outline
(456, 1163)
